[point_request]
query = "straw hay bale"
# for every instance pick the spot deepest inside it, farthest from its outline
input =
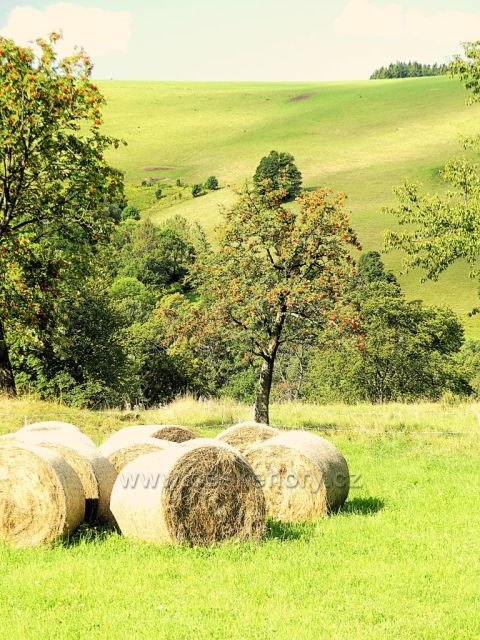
(120, 451)
(66, 437)
(50, 425)
(41, 497)
(198, 493)
(241, 436)
(302, 474)
(95, 472)
(170, 432)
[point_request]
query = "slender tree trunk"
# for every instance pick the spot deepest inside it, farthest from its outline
(7, 381)
(262, 402)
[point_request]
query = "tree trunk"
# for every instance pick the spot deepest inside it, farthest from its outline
(7, 381)
(263, 394)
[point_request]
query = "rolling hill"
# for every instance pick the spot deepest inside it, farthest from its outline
(363, 138)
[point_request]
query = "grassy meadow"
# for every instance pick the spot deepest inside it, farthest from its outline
(363, 138)
(400, 559)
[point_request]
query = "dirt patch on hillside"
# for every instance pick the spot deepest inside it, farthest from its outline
(302, 97)
(157, 168)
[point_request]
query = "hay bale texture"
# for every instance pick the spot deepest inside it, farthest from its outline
(95, 472)
(302, 474)
(169, 432)
(200, 493)
(123, 449)
(242, 435)
(72, 439)
(50, 425)
(41, 497)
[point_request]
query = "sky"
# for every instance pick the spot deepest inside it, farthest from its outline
(256, 40)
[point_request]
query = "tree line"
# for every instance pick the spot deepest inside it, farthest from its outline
(409, 70)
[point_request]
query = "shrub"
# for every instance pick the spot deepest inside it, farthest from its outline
(130, 213)
(211, 183)
(197, 190)
(158, 193)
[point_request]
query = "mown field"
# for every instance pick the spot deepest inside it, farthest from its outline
(400, 560)
(362, 138)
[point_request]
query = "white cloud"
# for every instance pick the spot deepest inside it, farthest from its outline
(99, 31)
(362, 18)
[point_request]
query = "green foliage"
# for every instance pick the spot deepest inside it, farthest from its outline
(406, 353)
(211, 183)
(158, 193)
(130, 213)
(279, 275)
(278, 172)
(197, 190)
(409, 70)
(132, 299)
(80, 357)
(58, 195)
(371, 269)
(468, 69)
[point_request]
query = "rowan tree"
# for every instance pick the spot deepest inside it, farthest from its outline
(279, 275)
(57, 191)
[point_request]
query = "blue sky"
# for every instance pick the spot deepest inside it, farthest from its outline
(248, 39)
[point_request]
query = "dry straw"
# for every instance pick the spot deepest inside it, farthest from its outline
(170, 432)
(41, 497)
(302, 474)
(121, 450)
(50, 425)
(242, 435)
(198, 493)
(68, 437)
(95, 472)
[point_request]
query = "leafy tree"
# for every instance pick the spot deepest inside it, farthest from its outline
(278, 172)
(279, 275)
(132, 299)
(407, 352)
(371, 269)
(56, 188)
(197, 190)
(130, 213)
(211, 183)
(439, 230)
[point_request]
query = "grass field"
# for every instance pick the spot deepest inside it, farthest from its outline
(400, 560)
(362, 138)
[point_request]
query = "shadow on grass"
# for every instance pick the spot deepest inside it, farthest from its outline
(362, 507)
(289, 530)
(88, 535)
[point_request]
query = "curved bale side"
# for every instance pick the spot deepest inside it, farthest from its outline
(95, 472)
(41, 496)
(65, 437)
(169, 432)
(198, 494)
(292, 482)
(50, 425)
(120, 451)
(323, 454)
(242, 435)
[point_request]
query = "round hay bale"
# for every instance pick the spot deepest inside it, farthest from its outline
(302, 474)
(65, 437)
(120, 451)
(242, 435)
(198, 494)
(95, 472)
(41, 497)
(50, 425)
(170, 432)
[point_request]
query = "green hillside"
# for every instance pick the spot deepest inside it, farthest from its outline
(362, 138)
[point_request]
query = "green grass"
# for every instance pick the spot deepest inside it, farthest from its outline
(362, 138)
(400, 561)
